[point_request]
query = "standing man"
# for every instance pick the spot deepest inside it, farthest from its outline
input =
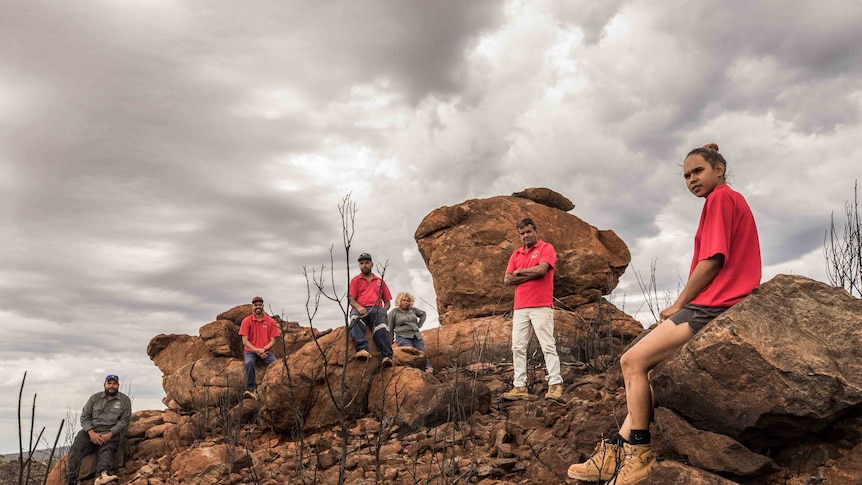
(531, 272)
(258, 332)
(369, 296)
(103, 420)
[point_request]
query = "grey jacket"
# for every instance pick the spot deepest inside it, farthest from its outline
(406, 324)
(102, 414)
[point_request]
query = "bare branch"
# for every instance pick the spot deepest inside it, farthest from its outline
(843, 251)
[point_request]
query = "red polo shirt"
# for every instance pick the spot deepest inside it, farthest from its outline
(373, 292)
(538, 292)
(258, 331)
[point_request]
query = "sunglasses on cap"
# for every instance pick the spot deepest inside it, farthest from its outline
(112, 376)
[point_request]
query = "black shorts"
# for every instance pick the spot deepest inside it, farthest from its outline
(697, 316)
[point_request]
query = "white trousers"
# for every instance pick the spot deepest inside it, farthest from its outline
(541, 319)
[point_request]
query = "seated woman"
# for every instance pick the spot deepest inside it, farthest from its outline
(405, 320)
(725, 267)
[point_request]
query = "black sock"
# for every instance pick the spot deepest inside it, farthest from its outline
(639, 437)
(617, 440)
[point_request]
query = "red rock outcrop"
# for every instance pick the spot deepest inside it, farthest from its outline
(222, 338)
(467, 247)
(768, 394)
(170, 352)
(789, 352)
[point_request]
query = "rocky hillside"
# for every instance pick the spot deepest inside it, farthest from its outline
(767, 394)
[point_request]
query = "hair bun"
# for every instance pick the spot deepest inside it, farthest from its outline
(711, 146)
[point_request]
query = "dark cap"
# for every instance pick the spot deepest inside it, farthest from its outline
(257, 299)
(364, 256)
(111, 376)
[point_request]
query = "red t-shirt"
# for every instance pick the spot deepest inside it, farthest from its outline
(538, 292)
(368, 292)
(727, 227)
(258, 331)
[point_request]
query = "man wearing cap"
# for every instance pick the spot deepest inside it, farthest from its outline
(258, 332)
(369, 296)
(531, 272)
(103, 421)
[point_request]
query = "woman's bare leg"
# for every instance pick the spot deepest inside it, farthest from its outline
(636, 363)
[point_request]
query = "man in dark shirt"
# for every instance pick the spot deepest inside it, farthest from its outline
(103, 420)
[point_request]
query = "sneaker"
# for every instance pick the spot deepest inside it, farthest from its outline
(555, 393)
(429, 370)
(250, 394)
(362, 354)
(105, 478)
(386, 362)
(600, 466)
(637, 464)
(516, 394)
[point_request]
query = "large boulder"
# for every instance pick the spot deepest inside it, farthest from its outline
(776, 367)
(222, 338)
(207, 383)
(710, 451)
(171, 352)
(310, 388)
(200, 466)
(467, 247)
(305, 390)
(669, 471)
(236, 314)
(413, 399)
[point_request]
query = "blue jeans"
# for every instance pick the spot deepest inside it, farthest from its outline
(416, 343)
(376, 316)
(82, 446)
(250, 359)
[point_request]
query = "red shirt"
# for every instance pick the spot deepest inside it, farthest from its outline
(373, 292)
(538, 292)
(259, 332)
(727, 227)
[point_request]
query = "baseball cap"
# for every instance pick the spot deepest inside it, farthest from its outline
(364, 256)
(111, 376)
(257, 298)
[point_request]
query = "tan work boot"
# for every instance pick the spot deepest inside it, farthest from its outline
(555, 393)
(600, 466)
(104, 478)
(362, 354)
(516, 394)
(636, 465)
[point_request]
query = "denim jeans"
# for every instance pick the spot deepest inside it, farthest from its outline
(82, 446)
(415, 343)
(541, 319)
(376, 316)
(250, 359)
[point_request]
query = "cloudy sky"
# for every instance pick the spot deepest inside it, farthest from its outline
(164, 161)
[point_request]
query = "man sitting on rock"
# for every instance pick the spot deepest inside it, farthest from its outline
(369, 296)
(531, 272)
(258, 332)
(103, 420)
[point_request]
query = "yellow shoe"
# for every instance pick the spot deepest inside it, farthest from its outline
(104, 478)
(637, 464)
(555, 393)
(516, 394)
(362, 354)
(600, 466)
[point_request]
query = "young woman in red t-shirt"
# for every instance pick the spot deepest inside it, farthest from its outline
(725, 268)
